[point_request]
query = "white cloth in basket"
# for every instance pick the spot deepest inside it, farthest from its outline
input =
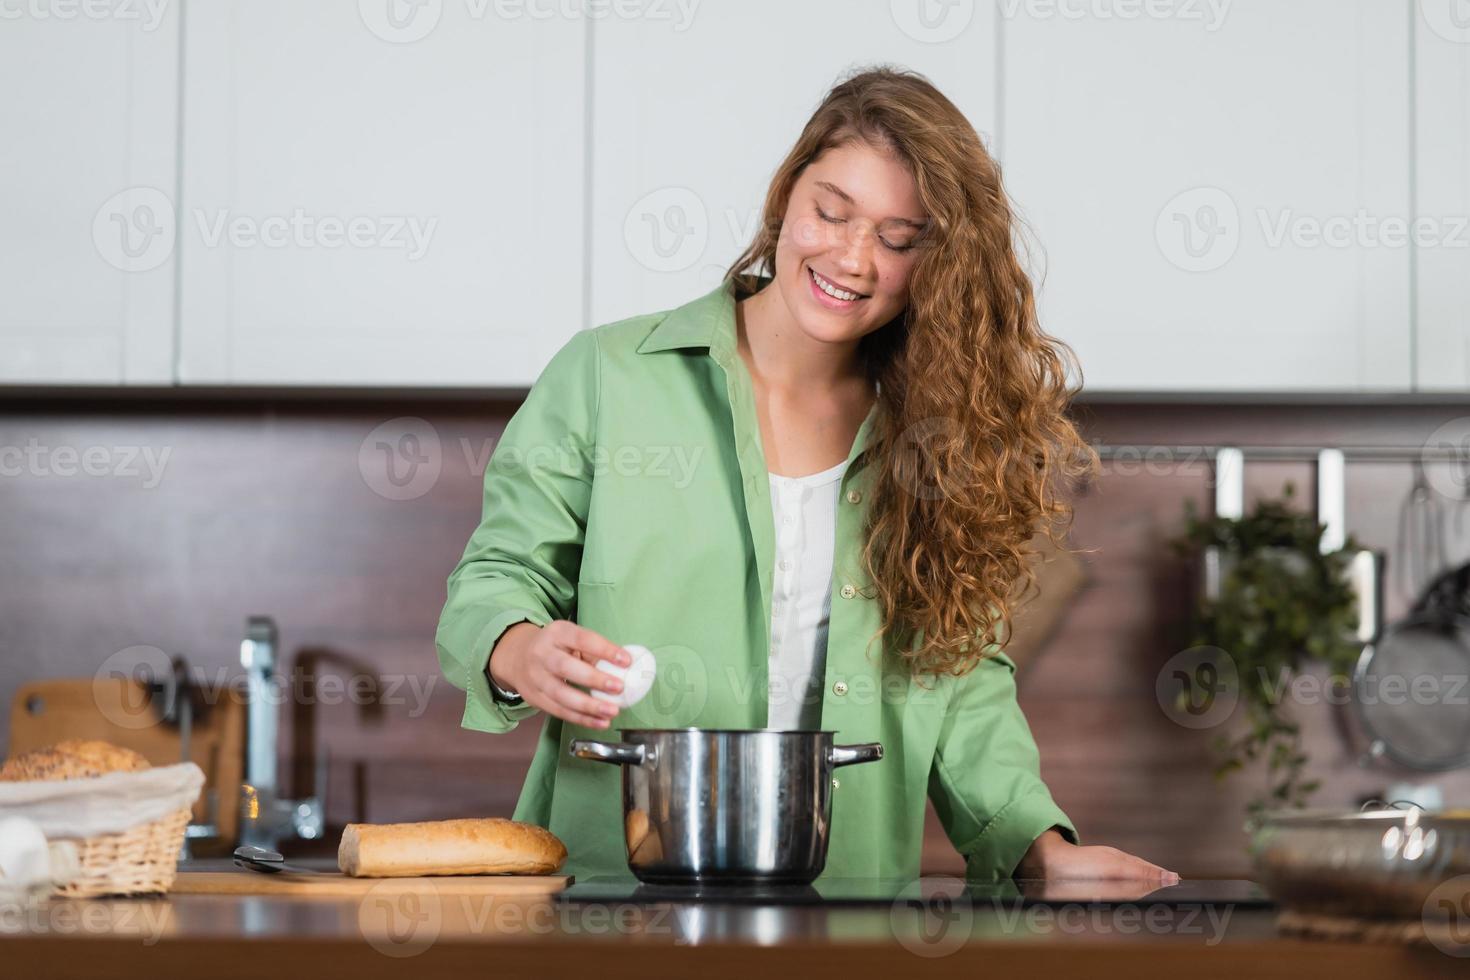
(110, 804)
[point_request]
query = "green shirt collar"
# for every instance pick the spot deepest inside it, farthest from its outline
(709, 322)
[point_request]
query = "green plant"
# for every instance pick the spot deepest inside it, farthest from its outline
(1282, 603)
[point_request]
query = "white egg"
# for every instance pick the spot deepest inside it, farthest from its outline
(637, 677)
(24, 856)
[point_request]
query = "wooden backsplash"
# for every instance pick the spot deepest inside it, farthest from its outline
(127, 521)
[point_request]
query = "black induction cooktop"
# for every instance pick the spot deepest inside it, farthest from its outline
(879, 891)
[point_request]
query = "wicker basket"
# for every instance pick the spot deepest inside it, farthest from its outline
(126, 829)
(139, 861)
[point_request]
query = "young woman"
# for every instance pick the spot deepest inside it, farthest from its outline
(809, 493)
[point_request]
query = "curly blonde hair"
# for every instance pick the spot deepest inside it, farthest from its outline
(972, 439)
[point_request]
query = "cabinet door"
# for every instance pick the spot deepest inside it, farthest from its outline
(694, 114)
(1220, 190)
(89, 151)
(1442, 47)
(380, 193)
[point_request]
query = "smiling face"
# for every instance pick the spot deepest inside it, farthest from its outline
(846, 248)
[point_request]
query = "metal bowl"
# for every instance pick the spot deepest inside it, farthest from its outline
(1379, 864)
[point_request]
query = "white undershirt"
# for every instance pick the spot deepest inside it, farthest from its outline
(805, 512)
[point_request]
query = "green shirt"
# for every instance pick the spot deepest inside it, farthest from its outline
(630, 494)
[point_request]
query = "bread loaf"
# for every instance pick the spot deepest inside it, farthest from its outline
(71, 759)
(473, 846)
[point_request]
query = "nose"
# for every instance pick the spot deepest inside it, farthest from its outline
(854, 251)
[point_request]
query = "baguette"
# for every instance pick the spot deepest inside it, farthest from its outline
(474, 846)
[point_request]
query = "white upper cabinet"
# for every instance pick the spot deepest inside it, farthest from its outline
(380, 193)
(693, 114)
(1442, 81)
(1225, 195)
(1221, 190)
(88, 150)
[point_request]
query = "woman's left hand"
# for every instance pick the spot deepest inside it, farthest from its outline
(1053, 856)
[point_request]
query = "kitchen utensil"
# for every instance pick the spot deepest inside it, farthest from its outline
(1410, 686)
(1380, 863)
(1420, 547)
(1365, 566)
(726, 805)
(266, 861)
(1462, 480)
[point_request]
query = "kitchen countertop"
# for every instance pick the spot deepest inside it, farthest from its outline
(443, 934)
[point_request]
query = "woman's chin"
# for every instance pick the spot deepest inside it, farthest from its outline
(828, 333)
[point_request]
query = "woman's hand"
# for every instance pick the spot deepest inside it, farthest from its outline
(1053, 856)
(539, 662)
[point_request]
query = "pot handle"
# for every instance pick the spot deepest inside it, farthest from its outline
(617, 753)
(847, 755)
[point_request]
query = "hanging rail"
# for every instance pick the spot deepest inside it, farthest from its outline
(1293, 454)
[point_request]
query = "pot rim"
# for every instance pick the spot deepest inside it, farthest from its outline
(734, 731)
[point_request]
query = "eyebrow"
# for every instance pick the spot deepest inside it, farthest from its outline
(828, 185)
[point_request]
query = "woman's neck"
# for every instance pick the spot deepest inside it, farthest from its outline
(780, 355)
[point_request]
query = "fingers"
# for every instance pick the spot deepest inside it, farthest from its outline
(1166, 876)
(1137, 867)
(567, 653)
(570, 704)
(1100, 862)
(590, 646)
(580, 650)
(572, 668)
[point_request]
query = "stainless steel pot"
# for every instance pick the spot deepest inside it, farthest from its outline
(702, 805)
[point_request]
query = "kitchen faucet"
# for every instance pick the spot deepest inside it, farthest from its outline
(266, 817)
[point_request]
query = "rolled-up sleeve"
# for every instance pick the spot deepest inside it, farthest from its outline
(522, 562)
(986, 781)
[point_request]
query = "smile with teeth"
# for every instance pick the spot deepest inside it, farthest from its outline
(832, 290)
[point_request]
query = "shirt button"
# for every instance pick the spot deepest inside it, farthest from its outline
(785, 564)
(848, 592)
(786, 520)
(836, 783)
(853, 496)
(840, 688)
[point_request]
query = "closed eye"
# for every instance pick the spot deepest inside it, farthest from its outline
(839, 221)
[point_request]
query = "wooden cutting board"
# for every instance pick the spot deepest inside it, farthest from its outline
(112, 709)
(337, 885)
